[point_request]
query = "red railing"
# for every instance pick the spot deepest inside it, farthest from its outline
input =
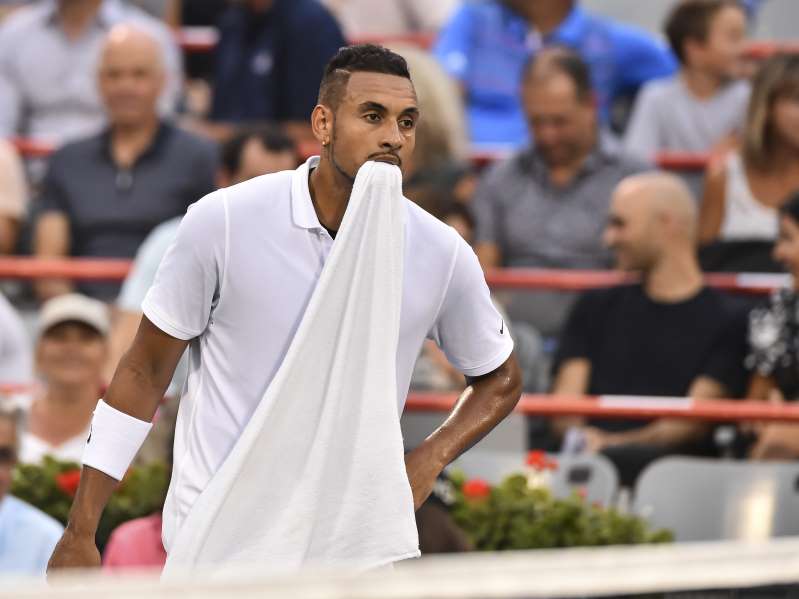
(27, 268)
(605, 407)
(625, 407)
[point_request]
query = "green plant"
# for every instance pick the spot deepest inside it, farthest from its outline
(51, 485)
(518, 515)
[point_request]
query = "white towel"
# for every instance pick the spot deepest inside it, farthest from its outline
(318, 476)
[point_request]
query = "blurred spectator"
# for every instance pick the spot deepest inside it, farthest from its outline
(16, 365)
(439, 165)
(545, 206)
(13, 197)
(774, 345)
(359, 18)
(270, 58)
(743, 193)
(48, 60)
(668, 336)
(70, 353)
(27, 535)
(701, 107)
(136, 544)
(104, 194)
(486, 45)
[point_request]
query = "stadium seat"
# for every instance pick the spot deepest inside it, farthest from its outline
(704, 500)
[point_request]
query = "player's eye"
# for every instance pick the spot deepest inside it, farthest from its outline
(372, 117)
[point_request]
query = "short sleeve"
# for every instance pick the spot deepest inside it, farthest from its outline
(453, 46)
(642, 138)
(190, 278)
(576, 338)
(469, 329)
(145, 266)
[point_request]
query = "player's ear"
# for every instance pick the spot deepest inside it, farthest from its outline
(322, 124)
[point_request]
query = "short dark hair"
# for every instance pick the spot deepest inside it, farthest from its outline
(562, 60)
(366, 58)
(271, 137)
(690, 20)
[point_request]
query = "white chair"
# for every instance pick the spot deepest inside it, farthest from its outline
(705, 499)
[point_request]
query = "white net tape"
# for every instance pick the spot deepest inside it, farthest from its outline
(557, 573)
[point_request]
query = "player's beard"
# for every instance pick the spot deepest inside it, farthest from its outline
(334, 162)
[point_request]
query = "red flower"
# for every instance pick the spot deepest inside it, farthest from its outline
(476, 488)
(538, 459)
(68, 481)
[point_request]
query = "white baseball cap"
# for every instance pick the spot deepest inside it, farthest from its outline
(74, 307)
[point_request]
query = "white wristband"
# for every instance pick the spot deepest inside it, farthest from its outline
(114, 440)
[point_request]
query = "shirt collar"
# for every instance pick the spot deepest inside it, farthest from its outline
(302, 211)
(605, 149)
(161, 136)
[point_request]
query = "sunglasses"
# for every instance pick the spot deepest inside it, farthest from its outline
(8, 455)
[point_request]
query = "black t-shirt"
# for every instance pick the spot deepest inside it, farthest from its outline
(637, 346)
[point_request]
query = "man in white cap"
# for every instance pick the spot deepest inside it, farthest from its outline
(70, 353)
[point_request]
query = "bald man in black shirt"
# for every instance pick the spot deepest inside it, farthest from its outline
(666, 336)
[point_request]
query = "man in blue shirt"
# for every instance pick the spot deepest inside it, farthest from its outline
(487, 43)
(27, 536)
(270, 59)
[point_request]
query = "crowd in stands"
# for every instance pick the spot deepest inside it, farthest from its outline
(579, 104)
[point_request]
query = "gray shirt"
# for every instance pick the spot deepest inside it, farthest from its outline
(668, 117)
(537, 224)
(111, 211)
(48, 83)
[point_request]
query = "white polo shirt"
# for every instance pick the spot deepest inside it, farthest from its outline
(236, 282)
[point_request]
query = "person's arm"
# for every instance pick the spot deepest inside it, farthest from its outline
(711, 212)
(760, 387)
(51, 239)
(126, 324)
(664, 432)
(572, 379)
(473, 335)
(482, 405)
(136, 389)
(8, 234)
